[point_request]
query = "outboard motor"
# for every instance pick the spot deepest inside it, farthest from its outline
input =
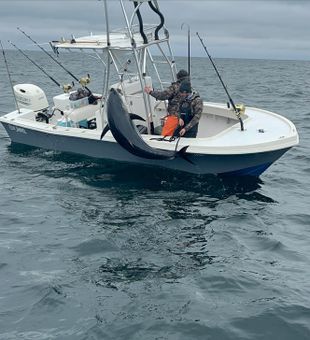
(32, 97)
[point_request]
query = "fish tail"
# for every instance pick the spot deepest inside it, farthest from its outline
(182, 153)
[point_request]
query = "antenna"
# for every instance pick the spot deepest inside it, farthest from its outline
(188, 48)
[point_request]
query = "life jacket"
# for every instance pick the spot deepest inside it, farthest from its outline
(186, 108)
(186, 114)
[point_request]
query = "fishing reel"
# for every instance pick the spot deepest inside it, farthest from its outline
(240, 109)
(85, 80)
(68, 87)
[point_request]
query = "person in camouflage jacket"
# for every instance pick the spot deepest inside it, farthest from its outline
(190, 110)
(171, 93)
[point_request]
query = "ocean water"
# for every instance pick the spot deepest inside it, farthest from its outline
(98, 250)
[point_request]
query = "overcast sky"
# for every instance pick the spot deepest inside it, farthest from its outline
(243, 29)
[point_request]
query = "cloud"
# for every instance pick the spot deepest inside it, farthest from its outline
(248, 28)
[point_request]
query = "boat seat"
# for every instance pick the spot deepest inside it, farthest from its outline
(157, 130)
(143, 129)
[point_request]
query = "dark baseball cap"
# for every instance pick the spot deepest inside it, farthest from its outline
(182, 74)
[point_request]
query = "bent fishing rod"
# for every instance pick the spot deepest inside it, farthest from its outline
(10, 79)
(56, 61)
(237, 111)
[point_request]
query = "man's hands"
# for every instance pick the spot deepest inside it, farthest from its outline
(182, 132)
(181, 123)
(148, 89)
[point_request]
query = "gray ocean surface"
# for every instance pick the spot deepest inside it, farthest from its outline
(94, 249)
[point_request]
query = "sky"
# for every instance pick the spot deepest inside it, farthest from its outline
(257, 29)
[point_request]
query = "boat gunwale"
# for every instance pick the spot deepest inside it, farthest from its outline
(196, 146)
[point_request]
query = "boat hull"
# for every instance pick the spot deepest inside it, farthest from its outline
(252, 164)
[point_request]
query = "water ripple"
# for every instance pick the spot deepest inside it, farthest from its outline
(94, 249)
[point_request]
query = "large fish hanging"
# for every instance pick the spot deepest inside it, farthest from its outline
(126, 134)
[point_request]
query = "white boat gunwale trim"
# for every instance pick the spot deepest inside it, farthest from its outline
(203, 145)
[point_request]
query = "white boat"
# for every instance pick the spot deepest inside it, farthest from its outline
(223, 145)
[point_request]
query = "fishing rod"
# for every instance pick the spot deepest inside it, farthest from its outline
(7, 68)
(66, 88)
(237, 111)
(56, 61)
(34, 63)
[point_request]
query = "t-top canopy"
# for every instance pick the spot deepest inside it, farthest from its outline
(118, 41)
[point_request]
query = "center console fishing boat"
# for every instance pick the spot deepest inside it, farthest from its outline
(123, 123)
